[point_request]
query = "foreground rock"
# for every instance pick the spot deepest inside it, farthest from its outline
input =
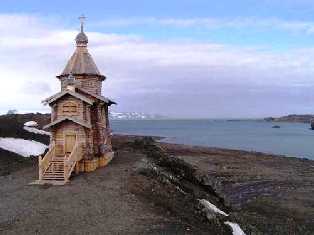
(265, 194)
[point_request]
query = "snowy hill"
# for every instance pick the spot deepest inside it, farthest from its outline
(133, 116)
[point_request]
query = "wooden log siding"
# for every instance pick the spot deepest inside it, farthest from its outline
(85, 113)
(88, 109)
(92, 85)
(89, 144)
(107, 116)
(54, 112)
(95, 130)
(64, 102)
(68, 127)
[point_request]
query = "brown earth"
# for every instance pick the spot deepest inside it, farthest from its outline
(154, 188)
(272, 193)
(111, 200)
(96, 203)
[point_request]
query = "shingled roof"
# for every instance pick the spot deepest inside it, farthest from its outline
(79, 122)
(81, 62)
(99, 97)
(67, 92)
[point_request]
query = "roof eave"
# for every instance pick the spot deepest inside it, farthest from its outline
(98, 97)
(58, 96)
(102, 77)
(52, 124)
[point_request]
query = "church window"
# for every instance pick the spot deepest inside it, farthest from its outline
(69, 108)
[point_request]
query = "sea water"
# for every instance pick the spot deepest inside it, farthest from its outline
(292, 139)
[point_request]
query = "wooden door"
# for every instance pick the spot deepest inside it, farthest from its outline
(70, 140)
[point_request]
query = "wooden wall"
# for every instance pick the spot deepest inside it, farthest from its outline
(96, 115)
(91, 84)
(59, 108)
(69, 127)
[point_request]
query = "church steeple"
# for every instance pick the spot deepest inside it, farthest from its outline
(81, 63)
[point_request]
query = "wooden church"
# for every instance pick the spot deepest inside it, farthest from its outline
(80, 132)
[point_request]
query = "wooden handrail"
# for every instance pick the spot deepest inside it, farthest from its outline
(70, 162)
(43, 163)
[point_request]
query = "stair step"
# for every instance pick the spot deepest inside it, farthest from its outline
(55, 171)
(56, 176)
(53, 179)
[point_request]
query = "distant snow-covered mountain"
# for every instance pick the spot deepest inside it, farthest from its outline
(133, 116)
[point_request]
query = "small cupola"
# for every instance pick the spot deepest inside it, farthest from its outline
(81, 62)
(81, 39)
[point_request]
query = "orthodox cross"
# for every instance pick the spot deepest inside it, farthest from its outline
(82, 18)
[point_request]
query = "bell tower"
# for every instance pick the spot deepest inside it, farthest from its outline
(82, 66)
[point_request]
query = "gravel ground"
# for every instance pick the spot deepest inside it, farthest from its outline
(94, 203)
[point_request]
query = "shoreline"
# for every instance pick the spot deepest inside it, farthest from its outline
(160, 139)
(271, 192)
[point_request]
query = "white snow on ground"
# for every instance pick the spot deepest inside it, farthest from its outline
(36, 131)
(31, 124)
(211, 208)
(236, 230)
(23, 147)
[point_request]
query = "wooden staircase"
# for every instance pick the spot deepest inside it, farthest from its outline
(56, 169)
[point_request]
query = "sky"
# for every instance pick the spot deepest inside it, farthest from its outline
(181, 59)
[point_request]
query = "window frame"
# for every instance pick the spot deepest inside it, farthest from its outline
(70, 108)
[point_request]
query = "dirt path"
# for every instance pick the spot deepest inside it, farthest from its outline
(95, 203)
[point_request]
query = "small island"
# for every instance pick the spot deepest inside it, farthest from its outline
(295, 118)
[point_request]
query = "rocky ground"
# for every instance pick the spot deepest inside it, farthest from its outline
(154, 188)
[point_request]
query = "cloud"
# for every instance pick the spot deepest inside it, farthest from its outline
(175, 78)
(215, 23)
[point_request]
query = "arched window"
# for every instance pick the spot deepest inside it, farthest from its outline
(69, 108)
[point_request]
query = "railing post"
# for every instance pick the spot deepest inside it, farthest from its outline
(40, 170)
(65, 170)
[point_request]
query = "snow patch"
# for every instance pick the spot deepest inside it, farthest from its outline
(36, 131)
(23, 147)
(31, 124)
(211, 208)
(236, 230)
